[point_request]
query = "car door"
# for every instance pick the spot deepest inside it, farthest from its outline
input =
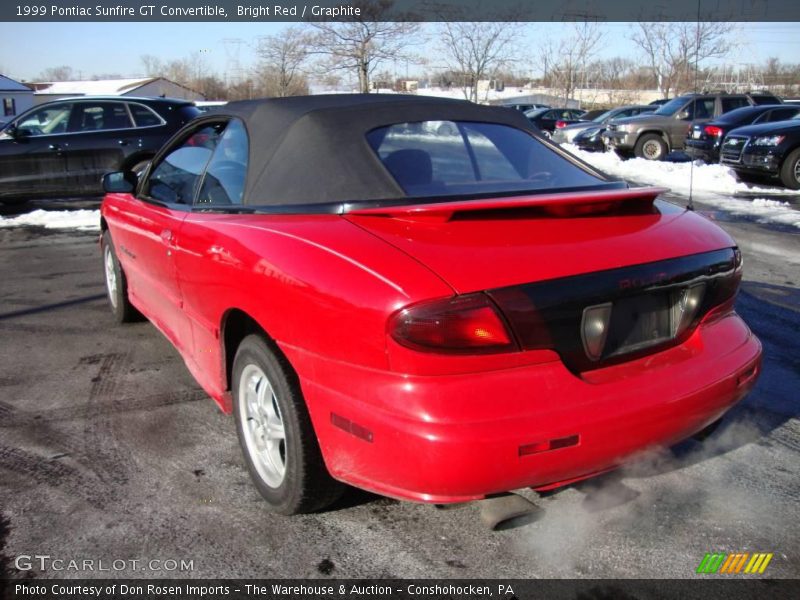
(32, 162)
(102, 129)
(209, 255)
(697, 110)
(147, 230)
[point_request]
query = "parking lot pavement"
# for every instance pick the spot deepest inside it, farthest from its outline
(109, 450)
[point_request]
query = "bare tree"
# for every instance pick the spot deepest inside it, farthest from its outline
(283, 59)
(62, 73)
(675, 50)
(362, 46)
(568, 59)
(478, 51)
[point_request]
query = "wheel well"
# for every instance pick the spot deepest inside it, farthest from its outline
(657, 132)
(237, 325)
(103, 225)
(788, 152)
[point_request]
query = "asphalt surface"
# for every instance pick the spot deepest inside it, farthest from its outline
(110, 451)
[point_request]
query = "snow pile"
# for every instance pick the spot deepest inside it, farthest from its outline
(765, 210)
(715, 185)
(82, 220)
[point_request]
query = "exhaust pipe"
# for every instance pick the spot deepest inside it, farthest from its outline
(507, 511)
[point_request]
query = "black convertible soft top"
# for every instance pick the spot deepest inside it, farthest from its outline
(308, 150)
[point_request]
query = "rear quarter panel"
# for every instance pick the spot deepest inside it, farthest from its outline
(315, 284)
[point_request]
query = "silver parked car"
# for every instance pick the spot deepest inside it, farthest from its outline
(567, 134)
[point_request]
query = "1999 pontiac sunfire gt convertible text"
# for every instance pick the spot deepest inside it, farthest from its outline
(423, 298)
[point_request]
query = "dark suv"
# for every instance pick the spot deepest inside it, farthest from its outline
(63, 148)
(768, 149)
(704, 139)
(653, 136)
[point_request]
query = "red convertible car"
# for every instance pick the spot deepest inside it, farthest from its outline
(424, 298)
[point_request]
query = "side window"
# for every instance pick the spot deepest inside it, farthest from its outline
(98, 116)
(48, 120)
(144, 116)
(729, 104)
(703, 108)
(781, 114)
(174, 180)
(223, 182)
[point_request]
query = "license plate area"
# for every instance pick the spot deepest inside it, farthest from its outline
(599, 319)
(638, 322)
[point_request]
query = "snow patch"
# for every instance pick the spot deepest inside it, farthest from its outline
(715, 185)
(81, 220)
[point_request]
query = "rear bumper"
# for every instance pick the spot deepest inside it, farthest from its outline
(701, 150)
(455, 438)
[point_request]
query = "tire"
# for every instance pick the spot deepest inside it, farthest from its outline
(116, 284)
(650, 146)
(547, 134)
(790, 170)
(275, 433)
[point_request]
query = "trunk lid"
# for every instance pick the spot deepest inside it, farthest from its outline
(484, 244)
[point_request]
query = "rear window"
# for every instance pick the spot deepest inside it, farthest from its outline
(144, 116)
(442, 158)
(734, 102)
(765, 99)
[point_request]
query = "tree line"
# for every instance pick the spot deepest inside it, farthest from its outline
(368, 53)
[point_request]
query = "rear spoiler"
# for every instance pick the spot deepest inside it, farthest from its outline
(560, 204)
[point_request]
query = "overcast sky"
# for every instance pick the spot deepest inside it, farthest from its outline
(26, 49)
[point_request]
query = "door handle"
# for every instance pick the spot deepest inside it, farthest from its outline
(55, 147)
(123, 142)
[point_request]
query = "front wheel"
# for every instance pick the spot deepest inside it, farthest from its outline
(275, 432)
(651, 147)
(790, 170)
(116, 284)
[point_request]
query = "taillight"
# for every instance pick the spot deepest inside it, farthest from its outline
(560, 124)
(462, 324)
(713, 130)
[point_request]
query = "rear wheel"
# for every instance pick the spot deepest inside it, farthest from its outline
(116, 284)
(275, 432)
(790, 170)
(651, 147)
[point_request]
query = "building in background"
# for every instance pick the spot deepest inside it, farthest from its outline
(45, 91)
(15, 98)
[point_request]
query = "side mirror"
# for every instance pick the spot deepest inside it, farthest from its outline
(13, 132)
(683, 115)
(119, 182)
